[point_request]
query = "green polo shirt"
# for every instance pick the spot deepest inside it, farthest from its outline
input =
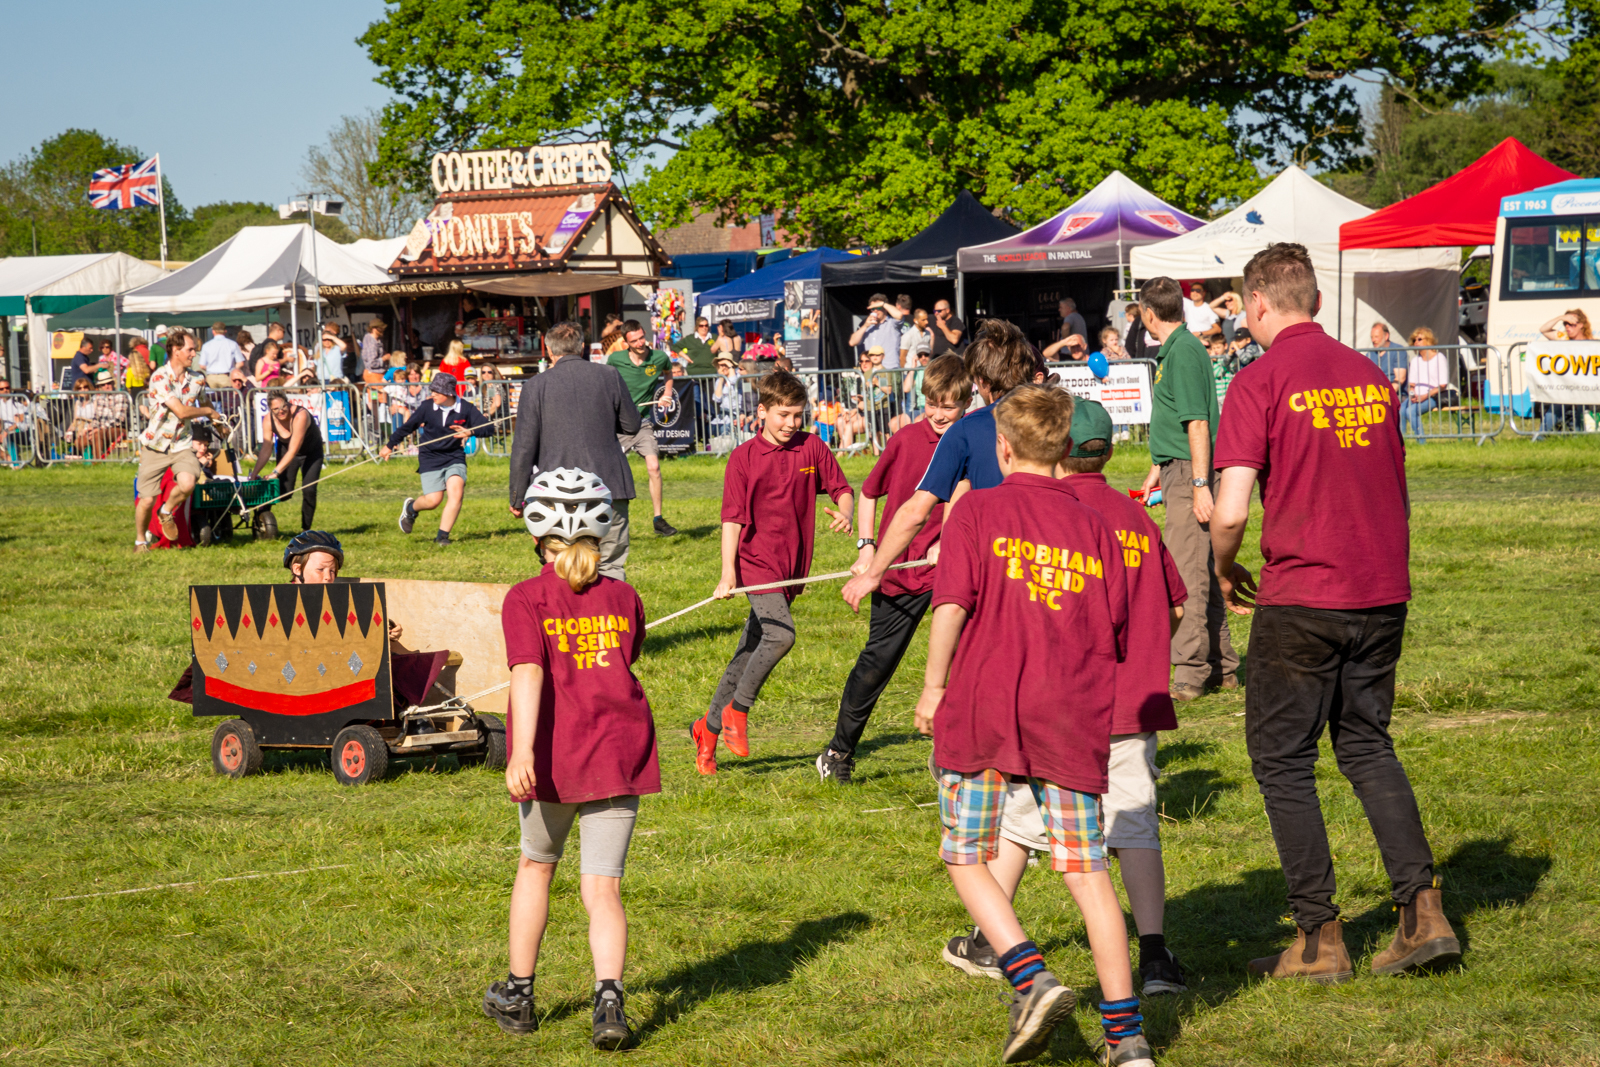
(699, 353)
(643, 379)
(1184, 392)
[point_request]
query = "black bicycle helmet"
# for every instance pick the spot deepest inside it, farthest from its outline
(312, 541)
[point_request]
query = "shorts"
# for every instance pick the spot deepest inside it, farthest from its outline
(605, 827)
(1020, 821)
(153, 464)
(1130, 801)
(643, 442)
(434, 481)
(971, 807)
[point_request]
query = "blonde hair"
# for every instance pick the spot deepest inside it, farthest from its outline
(1037, 421)
(1421, 336)
(1586, 332)
(576, 562)
(456, 349)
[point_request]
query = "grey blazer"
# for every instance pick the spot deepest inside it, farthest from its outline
(570, 416)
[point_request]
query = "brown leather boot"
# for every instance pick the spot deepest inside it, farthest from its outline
(1424, 939)
(1319, 957)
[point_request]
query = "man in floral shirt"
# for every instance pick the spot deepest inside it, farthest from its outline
(167, 443)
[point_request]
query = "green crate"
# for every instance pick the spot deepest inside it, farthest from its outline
(219, 494)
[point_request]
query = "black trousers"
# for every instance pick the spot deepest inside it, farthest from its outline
(894, 621)
(311, 471)
(1311, 668)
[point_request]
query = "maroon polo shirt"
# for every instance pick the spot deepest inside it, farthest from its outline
(595, 736)
(894, 478)
(1154, 588)
(1033, 684)
(1320, 422)
(771, 490)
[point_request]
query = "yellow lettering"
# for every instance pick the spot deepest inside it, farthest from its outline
(1013, 547)
(1560, 365)
(600, 658)
(1540, 363)
(1045, 577)
(1033, 591)
(1000, 547)
(1027, 550)
(562, 646)
(1131, 557)
(1052, 597)
(1375, 395)
(1295, 403)
(1013, 568)
(1076, 584)
(1076, 562)
(1361, 436)
(624, 624)
(584, 626)
(1341, 416)
(548, 631)
(1094, 566)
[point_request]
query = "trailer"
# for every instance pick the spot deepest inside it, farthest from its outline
(311, 667)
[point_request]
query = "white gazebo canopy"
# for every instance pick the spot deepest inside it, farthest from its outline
(40, 286)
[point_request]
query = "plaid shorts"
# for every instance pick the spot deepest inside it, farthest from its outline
(970, 806)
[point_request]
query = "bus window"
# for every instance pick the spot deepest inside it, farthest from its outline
(1591, 254)
(1543, 258)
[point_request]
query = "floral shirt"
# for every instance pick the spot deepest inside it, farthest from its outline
(166, 432)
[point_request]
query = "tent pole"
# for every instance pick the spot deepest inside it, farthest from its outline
(294, 328)
(1338, 309)
(961, 295)
(161, 199)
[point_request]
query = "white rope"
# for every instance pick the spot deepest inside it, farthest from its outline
(692, 607)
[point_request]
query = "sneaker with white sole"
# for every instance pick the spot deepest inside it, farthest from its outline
(1161, 975)
(832, 765)
(1035, 1016)
(973, 953)
(408, 515)
(1129, 1052)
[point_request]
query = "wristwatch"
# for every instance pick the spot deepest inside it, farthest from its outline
(863, 542)
(1199, 483)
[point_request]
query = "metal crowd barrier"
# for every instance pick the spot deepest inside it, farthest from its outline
(335, 409)
(1527, 417)
(1468, 408)
(79, 426)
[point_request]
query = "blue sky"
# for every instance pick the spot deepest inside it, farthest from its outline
(231, 94)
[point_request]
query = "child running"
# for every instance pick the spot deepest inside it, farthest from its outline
(769, 518)
(899, 603)
(448, 420)
(580, 742)
(1030, 621)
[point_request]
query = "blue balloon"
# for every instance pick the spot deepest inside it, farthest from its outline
(1098, 365)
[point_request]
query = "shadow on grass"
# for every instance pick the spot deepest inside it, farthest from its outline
(745, 967)
(682, 632)
(1479, 874)
(1186, 750)
(1191, 794)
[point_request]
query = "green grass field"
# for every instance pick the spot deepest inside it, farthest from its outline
(773, 920)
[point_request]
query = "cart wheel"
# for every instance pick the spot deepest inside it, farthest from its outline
(265, 525)
(234, 751)
(359, 755)
(494, 750)
(204, 536)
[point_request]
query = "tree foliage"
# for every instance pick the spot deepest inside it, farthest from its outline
(855, 119)
(213, 224)
(344, 167)
(44, 195)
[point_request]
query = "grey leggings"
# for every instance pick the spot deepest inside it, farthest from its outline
(768, 636)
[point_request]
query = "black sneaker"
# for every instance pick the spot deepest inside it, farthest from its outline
(511, 1010)
(832, 765)
(1035, 1016)
(408, 516)
(441, 539)
(611, 1027)
(1161, 975)
(973, 954)
(1129, 1052)
(664, 528)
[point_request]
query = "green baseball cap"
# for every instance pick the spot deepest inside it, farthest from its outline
(1090, 422)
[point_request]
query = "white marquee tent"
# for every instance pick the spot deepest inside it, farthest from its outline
(39, 286)
(1403, 287)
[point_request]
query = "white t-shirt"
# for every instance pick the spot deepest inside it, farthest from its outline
(1199, 317)
(1425, 374)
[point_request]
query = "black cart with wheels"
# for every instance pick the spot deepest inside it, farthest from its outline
(222, 505)
(310, 667)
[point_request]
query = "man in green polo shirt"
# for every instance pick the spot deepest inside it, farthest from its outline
(643, 370)
(1183, 429)
(696, 348)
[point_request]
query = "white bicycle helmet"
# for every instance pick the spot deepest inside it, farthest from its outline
(568, 503)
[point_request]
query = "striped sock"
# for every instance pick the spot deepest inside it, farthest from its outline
(1021, 964)
(1120, 1019)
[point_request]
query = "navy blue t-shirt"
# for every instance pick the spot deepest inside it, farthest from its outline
(965, 451)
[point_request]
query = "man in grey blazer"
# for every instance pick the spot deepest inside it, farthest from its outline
(570, 416)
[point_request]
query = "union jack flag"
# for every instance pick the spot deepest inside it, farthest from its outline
(133, 185)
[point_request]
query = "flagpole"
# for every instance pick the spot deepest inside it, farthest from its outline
(161, 194)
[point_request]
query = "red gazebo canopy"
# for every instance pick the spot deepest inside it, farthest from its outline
(1462, 209)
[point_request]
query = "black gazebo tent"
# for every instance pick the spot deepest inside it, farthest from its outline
(923, 266)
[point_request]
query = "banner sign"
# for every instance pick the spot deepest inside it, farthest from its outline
(1563, 372)
(674, 424)
(534, 167)
(802, 320)
(1125, 390)
(739, 310)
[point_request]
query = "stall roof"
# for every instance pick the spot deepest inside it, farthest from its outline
(102, 314)
(963, 224)
(767, 283)
(1461, 210)
(53, 284)
(259, 266)
(1095, 233)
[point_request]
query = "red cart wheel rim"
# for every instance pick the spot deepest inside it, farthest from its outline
(231, 752)
(353, 758)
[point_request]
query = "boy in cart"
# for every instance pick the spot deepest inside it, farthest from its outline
(441, 461)
(1030, 623)
(769, 518)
